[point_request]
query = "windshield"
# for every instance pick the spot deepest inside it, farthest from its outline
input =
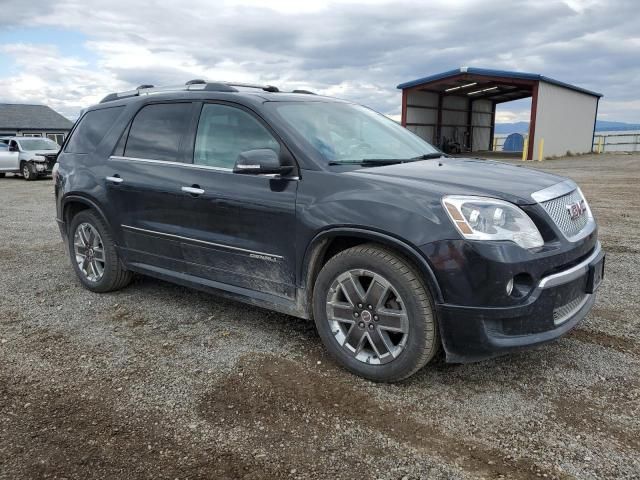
(38, 144)
(347, 133)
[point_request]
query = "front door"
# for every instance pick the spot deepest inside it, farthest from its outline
(241, 228)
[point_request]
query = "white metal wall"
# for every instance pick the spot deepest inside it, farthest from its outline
(454, 121)
(481, 119)
(415, 114)
(564, 120)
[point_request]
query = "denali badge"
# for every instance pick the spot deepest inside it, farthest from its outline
(577, 209)
(263, 257)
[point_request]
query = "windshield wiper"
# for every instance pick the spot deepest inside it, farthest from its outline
(369, 161)
(429, 156)
(388, 161)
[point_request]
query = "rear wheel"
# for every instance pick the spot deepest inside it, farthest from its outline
(374, 314)
(93, 254)
(2, 175)
(29, 171)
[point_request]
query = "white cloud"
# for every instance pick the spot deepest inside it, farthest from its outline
(359, 49)
(46, 76)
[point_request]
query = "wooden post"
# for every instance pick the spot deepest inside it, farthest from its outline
(525, 148)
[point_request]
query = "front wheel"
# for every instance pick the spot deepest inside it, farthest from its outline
(374, 313)
(29, 171)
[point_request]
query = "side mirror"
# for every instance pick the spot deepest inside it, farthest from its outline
(262, 161)
(13, 148)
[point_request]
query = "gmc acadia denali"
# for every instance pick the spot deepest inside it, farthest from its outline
(326, 210)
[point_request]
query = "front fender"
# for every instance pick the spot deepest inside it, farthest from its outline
(318, 245)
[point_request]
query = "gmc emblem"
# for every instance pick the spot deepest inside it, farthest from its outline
(577, 209)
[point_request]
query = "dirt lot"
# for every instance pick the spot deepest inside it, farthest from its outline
(158, 381)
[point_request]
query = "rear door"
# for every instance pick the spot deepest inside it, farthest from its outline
(239, 229)
(144, 181)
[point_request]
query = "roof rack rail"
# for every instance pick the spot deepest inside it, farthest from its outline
(303, 91)
(195, 84)
(190, 85)
(266, 88)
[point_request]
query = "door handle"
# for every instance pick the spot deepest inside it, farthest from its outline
(115, 179)
(194, 190)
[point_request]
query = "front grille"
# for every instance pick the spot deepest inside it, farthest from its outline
(557, 210)
(51, 160)
(562, 313)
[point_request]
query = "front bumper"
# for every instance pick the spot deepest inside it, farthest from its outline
(556, 304)
(43, 167)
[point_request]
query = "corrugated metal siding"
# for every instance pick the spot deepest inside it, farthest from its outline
(422, 115)
(455, 118)
(454, 123)
(482, 124)
(564, 119)
(428, 133)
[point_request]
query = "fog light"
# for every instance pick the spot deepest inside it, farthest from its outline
(510, 287)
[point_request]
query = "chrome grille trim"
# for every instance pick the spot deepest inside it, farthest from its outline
(554, 191)
(558, 211)
(555, 200)
(564, 312)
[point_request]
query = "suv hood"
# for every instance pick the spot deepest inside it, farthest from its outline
(466, 176)
(40, 152)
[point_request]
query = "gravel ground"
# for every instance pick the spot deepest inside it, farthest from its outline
(157, 381)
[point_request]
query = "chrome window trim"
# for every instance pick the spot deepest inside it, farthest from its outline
(554, 191)
(193, 165)
(570, 274)
(170, 163)
(220, 245)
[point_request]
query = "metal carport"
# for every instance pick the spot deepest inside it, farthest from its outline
(461, 104)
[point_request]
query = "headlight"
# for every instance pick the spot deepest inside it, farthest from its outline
(38, 158)
(480, 218)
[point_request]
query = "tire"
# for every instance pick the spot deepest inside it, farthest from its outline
(28, 171)
(406, 307)
(2, 175)
(103, 271)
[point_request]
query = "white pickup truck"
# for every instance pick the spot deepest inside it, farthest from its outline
(30, 157)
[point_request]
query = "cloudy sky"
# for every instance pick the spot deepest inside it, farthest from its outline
(70, 53)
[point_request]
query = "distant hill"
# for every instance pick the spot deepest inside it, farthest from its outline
(516, 127)
(601, 125)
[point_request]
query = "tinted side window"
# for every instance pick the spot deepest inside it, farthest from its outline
(91, 129)
(4, 146)
(157, 130)
(224, 132)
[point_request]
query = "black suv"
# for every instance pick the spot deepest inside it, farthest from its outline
(326, 210)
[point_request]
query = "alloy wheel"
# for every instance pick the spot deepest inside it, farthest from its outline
(367, 316)
(89, 252)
